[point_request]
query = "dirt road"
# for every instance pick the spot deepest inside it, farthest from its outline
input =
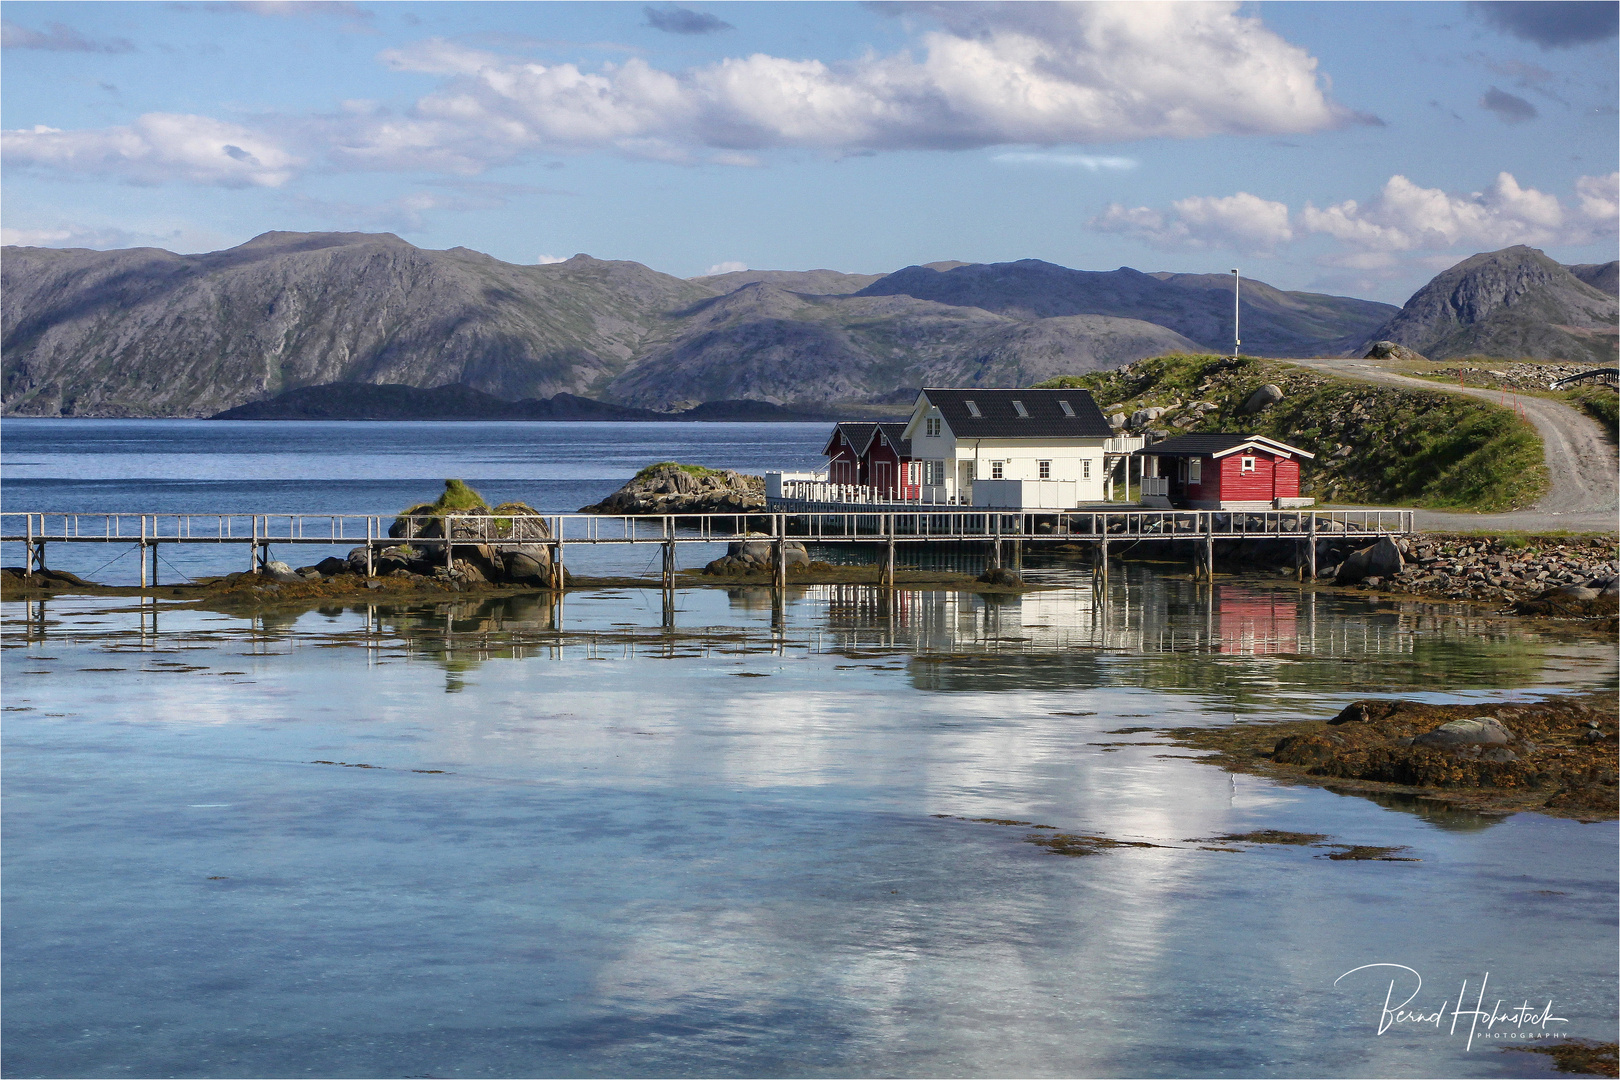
(1585, 492)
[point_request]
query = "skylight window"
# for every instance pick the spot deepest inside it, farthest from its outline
(1018, 407)
(973, 410)
(1068, 410)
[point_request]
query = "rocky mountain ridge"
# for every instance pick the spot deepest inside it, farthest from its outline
(1516, 302)
(146, 332)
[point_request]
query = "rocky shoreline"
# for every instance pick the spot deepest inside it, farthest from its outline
(1555, 757)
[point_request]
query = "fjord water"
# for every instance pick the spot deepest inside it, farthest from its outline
(519, 838)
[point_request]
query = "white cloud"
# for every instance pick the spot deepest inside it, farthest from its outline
(157, 147)
(1241, 222)
(1036, 74)
(725, 268)
(1406, 217)
(1089, 162)
(985, 75)
(547, 260)
(1403, 218)
(1599, 198)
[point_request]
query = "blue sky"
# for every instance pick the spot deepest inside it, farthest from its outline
(1342, 147)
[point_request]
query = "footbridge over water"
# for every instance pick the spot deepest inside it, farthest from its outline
(997, 532)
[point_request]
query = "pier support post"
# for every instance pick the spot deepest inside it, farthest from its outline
(888, 555)
(669, 555)
(1209, 546)
(143, 551)
(371, 535)
(1313, 545)
(779, 556)
(154, 563)
(558, 575)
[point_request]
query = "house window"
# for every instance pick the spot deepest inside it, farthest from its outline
(973, 410)
(1085, 468)
(1195, 469)
(934, 472)
(932, 427)
(1068, 410)
(995, 470)
(1248, 464)
(1046, 470)
(1018, 407)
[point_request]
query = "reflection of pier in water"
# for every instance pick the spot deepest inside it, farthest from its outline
(1139, 612)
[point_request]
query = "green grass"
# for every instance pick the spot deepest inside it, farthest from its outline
(1406, 447)
(1601, 404)
(694, 470)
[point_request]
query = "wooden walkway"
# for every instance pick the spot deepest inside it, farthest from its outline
(557, 532)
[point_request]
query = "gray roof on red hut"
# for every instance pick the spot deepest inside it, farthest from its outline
(858, 432)
(1218, 444)
(896, 435)
(1044, 414)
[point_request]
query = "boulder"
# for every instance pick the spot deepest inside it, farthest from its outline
(1262, 398)
(1002, 577)
(280, 571)
(1480, 731)
(329, 566)
(1389, 350)
(1380, 560)
(754, 556)
(673, 488)
(1117, 420)
(527, 564)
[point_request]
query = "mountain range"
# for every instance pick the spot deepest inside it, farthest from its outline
(146, 332)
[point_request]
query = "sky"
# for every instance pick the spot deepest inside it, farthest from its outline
(1353, 148)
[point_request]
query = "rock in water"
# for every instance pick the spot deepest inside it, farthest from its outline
(754, 556)
(672, 488)
(1380, 560)
(1002, 577)
(1480, 731)
(1389, 350)
(1262, 398)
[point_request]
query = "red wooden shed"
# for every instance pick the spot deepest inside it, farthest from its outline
(872, 455)
(1219, 471)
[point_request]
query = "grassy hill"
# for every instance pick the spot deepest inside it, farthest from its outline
(1372, 444)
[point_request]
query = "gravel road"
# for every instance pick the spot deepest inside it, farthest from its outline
(1585, 493)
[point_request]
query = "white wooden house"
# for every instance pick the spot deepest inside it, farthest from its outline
(1018, 449)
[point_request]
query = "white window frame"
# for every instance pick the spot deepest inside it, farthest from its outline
(1195, 470)
(996, 470)
(1043, 469)
(1247, 465)
(1085, 468)
(931, 427)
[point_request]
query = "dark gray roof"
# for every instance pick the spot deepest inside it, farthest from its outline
(860, 434)
(896, 434)
(998, 418)
(1210, 443)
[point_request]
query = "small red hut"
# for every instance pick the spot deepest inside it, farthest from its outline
(1219, 471)
(872, 455)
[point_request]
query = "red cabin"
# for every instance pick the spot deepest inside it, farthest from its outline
(872, 455)
(1218, 471)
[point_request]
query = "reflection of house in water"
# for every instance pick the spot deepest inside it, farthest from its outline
(1255, 622)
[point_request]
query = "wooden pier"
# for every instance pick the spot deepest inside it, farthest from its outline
(888, 529)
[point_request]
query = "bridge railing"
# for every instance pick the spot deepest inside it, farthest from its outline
(930, 523)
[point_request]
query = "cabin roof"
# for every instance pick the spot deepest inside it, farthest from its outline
(861, 434)
(998, 416)
(1219, 444)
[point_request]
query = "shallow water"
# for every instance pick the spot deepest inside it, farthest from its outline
(598, 842)
(352, 467)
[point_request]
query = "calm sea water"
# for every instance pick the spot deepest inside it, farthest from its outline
(350, 467)
(591, 842)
